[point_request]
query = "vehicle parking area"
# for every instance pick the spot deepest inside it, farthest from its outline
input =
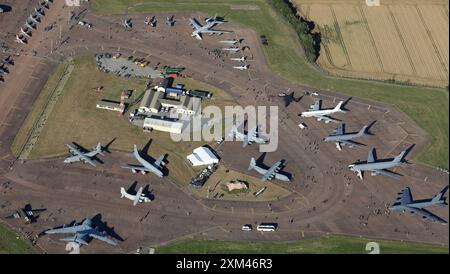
(326, 196)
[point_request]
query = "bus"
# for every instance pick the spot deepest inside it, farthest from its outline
(266, 227)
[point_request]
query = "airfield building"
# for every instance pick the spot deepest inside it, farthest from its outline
(109, 105)
(164, 124)
(202, 156)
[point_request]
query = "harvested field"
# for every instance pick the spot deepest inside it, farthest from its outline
(404, 41)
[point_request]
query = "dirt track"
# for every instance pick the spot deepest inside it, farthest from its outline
(327, 198)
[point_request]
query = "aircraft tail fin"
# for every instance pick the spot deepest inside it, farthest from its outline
(363, 131)
(252, 164)
(122, 192)
(99, 149)
(339, 106)
(439, 198)
(399, 158)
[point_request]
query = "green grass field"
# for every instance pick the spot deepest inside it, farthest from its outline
(9, 244)
(323, 245)
(75, 118)
(427, 107)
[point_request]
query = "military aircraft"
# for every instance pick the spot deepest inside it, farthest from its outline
(35, 18)
(229, 42)
(45, 4)
(341, 138)
(3, 69)
(271, 173)
(151, 21)
(234, 49)
(240, 59)
(30, 25)
(127, 23)
(289, 98)
(25, 32)
(83, 233)
(79, 155)
(378, 167)
(27, 213)
(139, 197)
(405, 202)
(206, 29)
(216, 20)
(8, 60)
(21, 39)
(146, 166)
(323, 114)
(40, 11)
(245, 67)
(251, 137)
(170, 21)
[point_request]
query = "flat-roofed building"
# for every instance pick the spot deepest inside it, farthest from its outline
(164, 124)
(109, 105)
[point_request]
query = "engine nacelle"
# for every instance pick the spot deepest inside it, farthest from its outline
(134, 171)
(143, 172)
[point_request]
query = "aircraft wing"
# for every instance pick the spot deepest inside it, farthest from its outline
(137, 167)
(138, 196)
(64, 230)
(339, 130)
(387, 173)
(317, 105)
(327, 118)
(100, 236)
(272, 171)
(139, 158)
(352, 143)
(194, 23)
(404, 197)
(78, 158)
(210, 31)
(426, 215)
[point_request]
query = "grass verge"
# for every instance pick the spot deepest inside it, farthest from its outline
(427, 107)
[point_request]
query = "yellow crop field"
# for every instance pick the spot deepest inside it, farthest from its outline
(404, 40)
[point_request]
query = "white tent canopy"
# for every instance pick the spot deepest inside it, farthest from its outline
(202, 156)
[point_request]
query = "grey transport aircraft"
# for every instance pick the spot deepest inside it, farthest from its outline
(342, 138)
(170, 21)
(80, 155)
(247, 139)
(271, 173)
(405, 202)
(83, 233)
(146, 166)
(378, 167)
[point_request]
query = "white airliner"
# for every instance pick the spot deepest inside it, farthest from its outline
(139, 197)
(323, 114)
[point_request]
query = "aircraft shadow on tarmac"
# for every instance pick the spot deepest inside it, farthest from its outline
(5, 8)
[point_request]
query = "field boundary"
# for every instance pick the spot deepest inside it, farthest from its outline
(41, 120)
